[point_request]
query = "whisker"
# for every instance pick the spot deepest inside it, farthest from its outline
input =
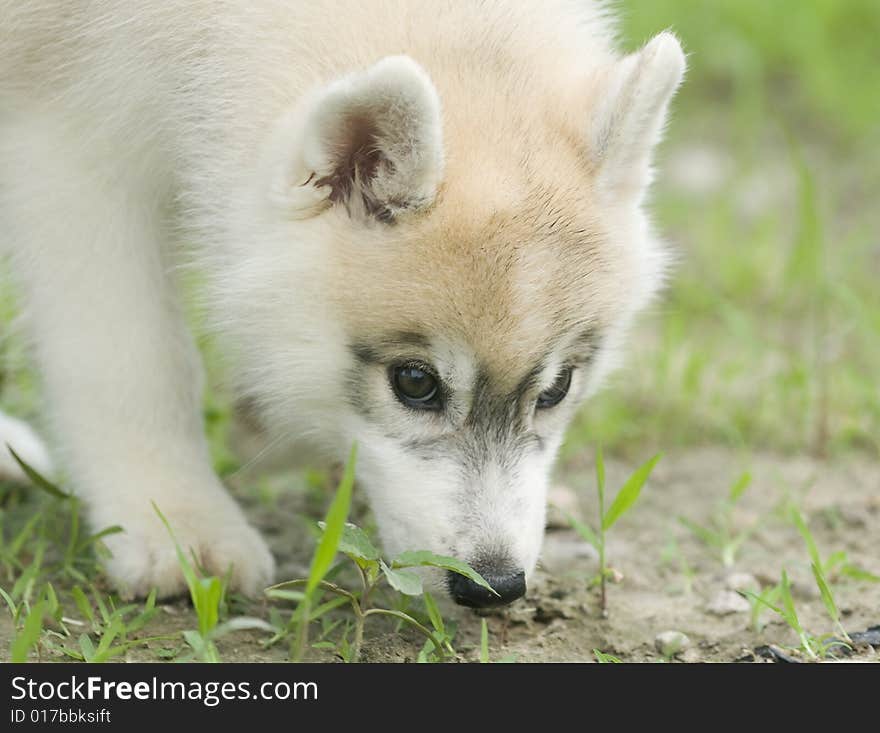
(261, 454)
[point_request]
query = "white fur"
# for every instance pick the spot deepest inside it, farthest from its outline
(28, 446)
(397, 97)
(136, 137)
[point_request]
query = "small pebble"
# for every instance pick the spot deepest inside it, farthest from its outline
(670, 643)
(742, 581)
(806, 590)
(726, 602)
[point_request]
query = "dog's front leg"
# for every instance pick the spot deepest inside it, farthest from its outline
(122, 376)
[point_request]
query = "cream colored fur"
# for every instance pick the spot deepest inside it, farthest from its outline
(496, 209)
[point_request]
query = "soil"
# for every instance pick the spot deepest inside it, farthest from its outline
(559, 620)
(659, 589)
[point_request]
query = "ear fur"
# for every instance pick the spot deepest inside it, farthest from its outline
(627, 124)
(371, 141)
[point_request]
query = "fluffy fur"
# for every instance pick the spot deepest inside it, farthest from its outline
(359, 184)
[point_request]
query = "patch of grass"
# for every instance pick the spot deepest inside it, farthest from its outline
(837, 564)
(748, 55)
(484, 641)
(112, 627)
(79, 552)
(49, 549)
(484, 647)
(328, 544)
(720, 535)
(603, 658)
(104, 632)
(208, 596)
(624, 500)
(49, 546)
(373, 572)
(814, 647)
(772, 309)
(337, 535)
(28, 635)
(673, 557)
(760, 601)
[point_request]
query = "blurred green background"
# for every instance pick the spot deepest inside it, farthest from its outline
(768, 337)
(767, 188)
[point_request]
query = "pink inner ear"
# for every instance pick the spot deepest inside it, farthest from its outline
(359, 158)
(373, 140)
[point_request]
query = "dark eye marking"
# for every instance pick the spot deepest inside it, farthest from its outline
(388, 348)
(369, 356)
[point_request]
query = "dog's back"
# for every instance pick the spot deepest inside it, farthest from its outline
(185, 88)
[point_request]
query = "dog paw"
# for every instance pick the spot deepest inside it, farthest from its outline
(145, 557)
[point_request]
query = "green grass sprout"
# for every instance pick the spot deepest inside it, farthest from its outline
(814, 647)
(399, 575)
(721, 535)
(603, 658)
(624, 500)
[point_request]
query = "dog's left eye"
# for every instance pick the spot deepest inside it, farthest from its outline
(553, 395)
(415, 387)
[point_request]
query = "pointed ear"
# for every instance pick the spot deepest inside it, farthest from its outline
(371, 141)
(627, 124)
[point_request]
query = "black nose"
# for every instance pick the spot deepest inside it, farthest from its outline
(509, 586)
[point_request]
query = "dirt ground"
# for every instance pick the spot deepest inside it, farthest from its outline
(670, 580)
(559, 620)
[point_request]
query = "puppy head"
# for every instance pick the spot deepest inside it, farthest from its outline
(452, 271)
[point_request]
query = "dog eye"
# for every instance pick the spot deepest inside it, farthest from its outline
(415, 387)
(553, 395)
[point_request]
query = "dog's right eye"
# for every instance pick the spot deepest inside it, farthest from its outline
(415, 387)
(557, 391)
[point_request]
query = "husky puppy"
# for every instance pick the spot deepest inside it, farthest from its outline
(418, 224)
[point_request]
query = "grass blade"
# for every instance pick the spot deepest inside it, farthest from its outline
(86, 647)
(92, 539)
(629, 493)
(189, 572)
(334, 525)
(761, 601)
(82, 603)
(325, 552)
(828, 598)
(801, 525)
(29, 634)
(739, 487)
(9, 602)
(707, 536)
(417, 558)
(434, 613)
(603, 658)
(37, 479)
(857, 573)
(583, 530)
